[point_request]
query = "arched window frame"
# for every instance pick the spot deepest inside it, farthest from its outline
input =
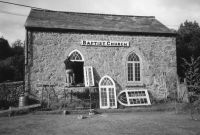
(107, 87)
(78, 53)
(134, 81)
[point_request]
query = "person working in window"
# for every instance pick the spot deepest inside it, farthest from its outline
(70, 77)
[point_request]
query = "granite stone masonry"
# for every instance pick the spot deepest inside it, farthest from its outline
(50, 49)
(47, 49)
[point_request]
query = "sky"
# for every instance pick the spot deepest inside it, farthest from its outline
(169, 12)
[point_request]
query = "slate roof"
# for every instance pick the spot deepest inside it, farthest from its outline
(48, 19)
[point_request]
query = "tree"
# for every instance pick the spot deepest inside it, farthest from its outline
(192, 68)
(192, 74)
(12, 62)
(5, 49)
(17, 48)
(188, 44)
(7, 71)
(18, 59)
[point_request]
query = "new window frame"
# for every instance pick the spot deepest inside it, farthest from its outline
(142, 94)
(106, 89)
(88, 76)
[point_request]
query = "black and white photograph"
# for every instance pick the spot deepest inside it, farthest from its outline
(99, 67)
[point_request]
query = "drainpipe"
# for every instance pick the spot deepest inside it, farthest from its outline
(26, 76)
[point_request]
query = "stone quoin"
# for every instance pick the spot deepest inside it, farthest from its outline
(134, 52)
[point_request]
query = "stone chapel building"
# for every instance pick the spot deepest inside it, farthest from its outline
(124, 52)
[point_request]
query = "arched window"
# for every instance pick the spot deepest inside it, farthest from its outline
(76, 55)
(133, 68)
(78, 63)
(107, 93)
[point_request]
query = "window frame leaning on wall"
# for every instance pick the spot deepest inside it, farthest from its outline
(88, 76)
(134, 97)
(107, 87)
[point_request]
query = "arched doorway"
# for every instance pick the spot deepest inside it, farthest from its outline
(107, 93)
(78, 62)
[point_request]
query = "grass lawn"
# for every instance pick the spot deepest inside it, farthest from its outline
(135, 123)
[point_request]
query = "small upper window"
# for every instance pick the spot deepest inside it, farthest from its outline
(76, 56)
(133, 68)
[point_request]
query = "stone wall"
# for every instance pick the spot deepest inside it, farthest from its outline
(10, 93)
(47, 51)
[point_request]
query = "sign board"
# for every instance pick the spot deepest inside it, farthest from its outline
(88, 76)
(105, 43)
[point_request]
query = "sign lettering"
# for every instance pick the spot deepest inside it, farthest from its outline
(105, 43)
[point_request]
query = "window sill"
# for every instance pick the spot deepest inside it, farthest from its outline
(135, 84)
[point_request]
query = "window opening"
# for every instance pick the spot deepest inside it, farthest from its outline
(78, 63)
(133, 68)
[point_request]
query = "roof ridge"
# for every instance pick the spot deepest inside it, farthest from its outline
(100, 14)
